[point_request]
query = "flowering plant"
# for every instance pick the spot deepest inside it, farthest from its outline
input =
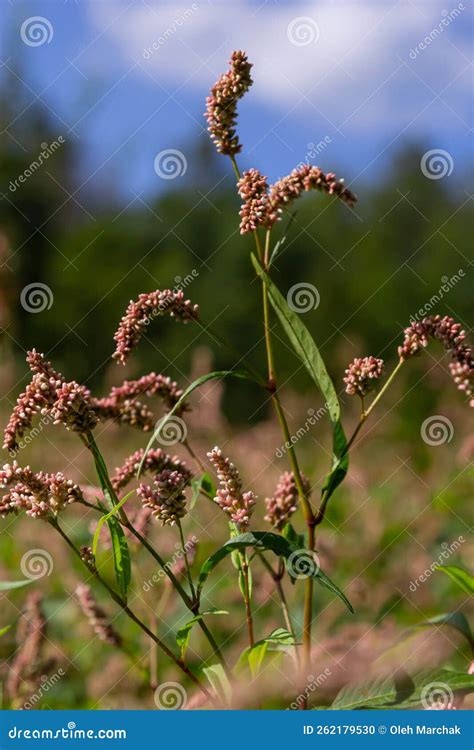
(165, 481)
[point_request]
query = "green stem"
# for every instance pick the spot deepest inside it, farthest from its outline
(248, 608)
(190, 603)
(186, 561)
(272, 387)
(126, 609)
(362, 420)
(277, 578)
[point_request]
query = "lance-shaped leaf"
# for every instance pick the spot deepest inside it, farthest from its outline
(265, 540)
(404, 692)
(306, 349)
(121, 554)
(184, 634)
(460, 576)
(10, 585)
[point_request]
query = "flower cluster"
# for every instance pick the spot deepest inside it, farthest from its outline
(156, 461)
(140, 313)
(221, 105)
(361, 375)
(451, 335)
(283, 503)
(239, 505)
(303, 179)
(50, 394)
(418, 334)
(253, 189)
(166, 499)
(41, 495)
(263, 205)
(28, 663)
(96, 616)
(122, 405)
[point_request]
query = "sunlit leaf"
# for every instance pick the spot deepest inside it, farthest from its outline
(10, 585)
(401, 691)
(219, 682)
(184, 634)
(306, 349)
(460, 576)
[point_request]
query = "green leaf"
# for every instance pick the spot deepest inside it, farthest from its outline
(296, 540)
(265, 540)
(219, 682)
(326, 583)
(243, 374)
(281, 637)
(278, 640)
(460, 576)
(105, 518)
(5, 630)
(261, 539)
(279, 244)
(10, 585)
(256, 655)
(121, 554)
(455, 620)
(306, 349)
(200, 484)
(184, 634)
(401, 692)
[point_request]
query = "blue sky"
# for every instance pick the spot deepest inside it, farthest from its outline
(358, 78)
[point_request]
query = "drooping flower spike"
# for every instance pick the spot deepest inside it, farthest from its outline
(450, 334)
(142, 311)
(96, 616)
(51, 395)
(264, 205)
(122, 404)
(41, 495)
(155, 462)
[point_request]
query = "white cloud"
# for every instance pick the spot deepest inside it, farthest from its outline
(355, 54)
